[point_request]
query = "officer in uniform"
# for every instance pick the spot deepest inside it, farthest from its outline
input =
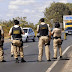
(43, 29)
(1, 45)
(16, 32)
(57, 40)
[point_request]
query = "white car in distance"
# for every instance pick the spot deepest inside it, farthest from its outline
(29, 35)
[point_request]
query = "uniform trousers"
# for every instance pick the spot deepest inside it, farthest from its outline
(57, 44)
(12, 50)
(17, 43)
(43, 40)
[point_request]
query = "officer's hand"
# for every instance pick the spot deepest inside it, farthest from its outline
(49, 38)
(49, 42)
(2, 40)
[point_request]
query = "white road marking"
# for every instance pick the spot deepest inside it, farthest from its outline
(25, 46)
(55, 62)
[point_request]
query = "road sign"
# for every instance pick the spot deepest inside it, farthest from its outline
(67, 17)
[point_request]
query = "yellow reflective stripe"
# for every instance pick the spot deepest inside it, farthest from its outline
(16, 32)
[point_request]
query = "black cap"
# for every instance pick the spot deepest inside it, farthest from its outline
(42, 19)
(57, 25)
(16, 22)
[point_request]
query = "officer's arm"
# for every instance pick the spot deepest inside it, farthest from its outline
(50, 35)
(10, 32)
(22, 30)
(2, 32)
(2, 35)
(49, 32)
(52, 32)
(37, 28)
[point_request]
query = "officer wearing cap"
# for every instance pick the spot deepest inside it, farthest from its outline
(57, 40)
(16, 32)
(43, 29)
(1, 45)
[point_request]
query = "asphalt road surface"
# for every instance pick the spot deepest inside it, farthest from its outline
(30, 55)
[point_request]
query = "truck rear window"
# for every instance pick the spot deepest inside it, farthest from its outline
(25, 30)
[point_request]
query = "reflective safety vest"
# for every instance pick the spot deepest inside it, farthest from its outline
(43, 30)
(16, 32)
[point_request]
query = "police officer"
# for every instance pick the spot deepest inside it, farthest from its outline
(43, 29)
(57, 40)
(1, 45)
(16, 32)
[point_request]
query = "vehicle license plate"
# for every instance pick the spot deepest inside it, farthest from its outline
(69, 33)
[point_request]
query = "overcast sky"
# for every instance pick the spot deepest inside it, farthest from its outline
(32, 9)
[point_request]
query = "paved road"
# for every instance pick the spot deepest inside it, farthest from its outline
(31, 53)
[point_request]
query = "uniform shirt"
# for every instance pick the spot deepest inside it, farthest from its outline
(16, 26)
(56, 32)
(1, 30)
(42, 23)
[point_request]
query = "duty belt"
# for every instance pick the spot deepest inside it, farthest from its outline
(44, 35)
(17, 39)
(56, 37)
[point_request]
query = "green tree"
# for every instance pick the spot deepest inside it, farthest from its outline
(56, 12)
(8, 24)
(70, 7)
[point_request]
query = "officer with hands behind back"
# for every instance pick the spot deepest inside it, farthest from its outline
(57, 40)
(43, 29)
(16, 32)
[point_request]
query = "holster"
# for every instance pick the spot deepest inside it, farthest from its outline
(17, 45)
(56, 37)
(48, 43)
(1, 43)
(60, 42)
(14, 44)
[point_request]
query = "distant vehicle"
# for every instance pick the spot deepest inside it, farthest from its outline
(67, 22)
(29, 35)
(68, 30)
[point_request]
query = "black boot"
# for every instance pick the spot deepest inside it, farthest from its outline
(48, 60)
(11, 55)
(22, 60)
(60, 57)
(3, 61)
(18, 54)
(54, 58)
(17, 61)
